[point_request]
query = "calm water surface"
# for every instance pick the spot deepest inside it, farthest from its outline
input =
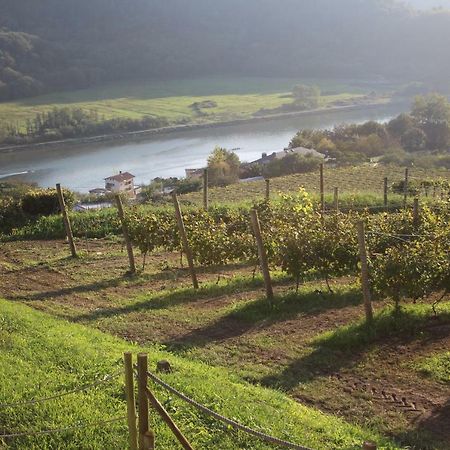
(84, 168)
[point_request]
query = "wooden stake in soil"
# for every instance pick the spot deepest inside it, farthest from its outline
(205, 190)
(322, 191)
(267, 189)
(365, 272)
(336, 199)
(369, 446)
(262, 255)
(168, 420)
(416, 213)
(146, 435)
(66, 220)
(385, 192)
(184, 240)
(126, 235)
(406, 188)
(131, 403)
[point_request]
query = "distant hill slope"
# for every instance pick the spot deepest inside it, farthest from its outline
(71, 44)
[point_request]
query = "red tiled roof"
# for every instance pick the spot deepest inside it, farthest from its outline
(123, 176)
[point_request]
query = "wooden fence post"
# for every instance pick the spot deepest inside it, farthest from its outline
(406, 188)
(184, 240)
(168, 420)
(416, 213)
(131, 403)
(66, 220)
(322, 191)
(385, 192)
(205, 190)
(267, 189)
(146, 435)
(126, 235)
(336, 199)
(365, 272)
(262, 255)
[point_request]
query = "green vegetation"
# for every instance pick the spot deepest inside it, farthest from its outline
(47, 356)
(146, 105)
(436, 366)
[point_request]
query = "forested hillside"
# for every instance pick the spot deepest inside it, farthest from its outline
(58, 44)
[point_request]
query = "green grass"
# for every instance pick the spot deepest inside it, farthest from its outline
(41, 356)
(235, 98)
(436, 367)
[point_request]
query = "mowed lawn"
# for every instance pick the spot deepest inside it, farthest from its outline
(172, 100)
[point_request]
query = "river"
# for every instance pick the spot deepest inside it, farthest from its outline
(84, 168)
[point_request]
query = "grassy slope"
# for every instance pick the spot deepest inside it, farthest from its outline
(43, 355)
(236, 98)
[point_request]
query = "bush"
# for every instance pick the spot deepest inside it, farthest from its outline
(44, 202)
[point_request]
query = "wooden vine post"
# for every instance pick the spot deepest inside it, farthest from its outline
(336, 199)
(205, 190)
(184, 240)
(365, 272)
(126, 234)
(131, 403)
(322, 192)
(66, 220)
(168, 420)
(416, 213)
(263, 261)
(385, 192)
(146, 435)
(267, 189)
(406, 188)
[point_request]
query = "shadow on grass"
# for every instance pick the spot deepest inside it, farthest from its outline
(346, 346)
(259, 313)
(174, 298)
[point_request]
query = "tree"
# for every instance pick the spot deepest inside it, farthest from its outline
(432, 113)
(223, 167)
(414, 140)
(398, 126)
(306, 97)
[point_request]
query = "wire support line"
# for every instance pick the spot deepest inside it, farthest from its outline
(378, 233)
(232, 423)
(62, 430)
(62, 394)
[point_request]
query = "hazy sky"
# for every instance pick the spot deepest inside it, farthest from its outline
(429, 4)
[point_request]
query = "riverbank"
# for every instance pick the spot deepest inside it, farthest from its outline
(144, 134)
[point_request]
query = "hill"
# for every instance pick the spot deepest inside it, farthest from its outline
(60, 44)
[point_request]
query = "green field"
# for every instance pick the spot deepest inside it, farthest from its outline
(235, 98)
(41, 356)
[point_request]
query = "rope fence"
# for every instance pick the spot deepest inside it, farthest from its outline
(232, 423)
(64, 429)
(62, 394)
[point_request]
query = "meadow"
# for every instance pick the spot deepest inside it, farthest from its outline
(172, 99)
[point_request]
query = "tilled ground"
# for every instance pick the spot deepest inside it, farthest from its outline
(225, 325)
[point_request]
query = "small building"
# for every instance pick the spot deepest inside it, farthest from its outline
(193, 174)
(302, 151)
(122, 183)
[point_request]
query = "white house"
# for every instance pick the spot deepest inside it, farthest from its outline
(123, 182)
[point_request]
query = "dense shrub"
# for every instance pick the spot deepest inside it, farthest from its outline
(44, 202)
